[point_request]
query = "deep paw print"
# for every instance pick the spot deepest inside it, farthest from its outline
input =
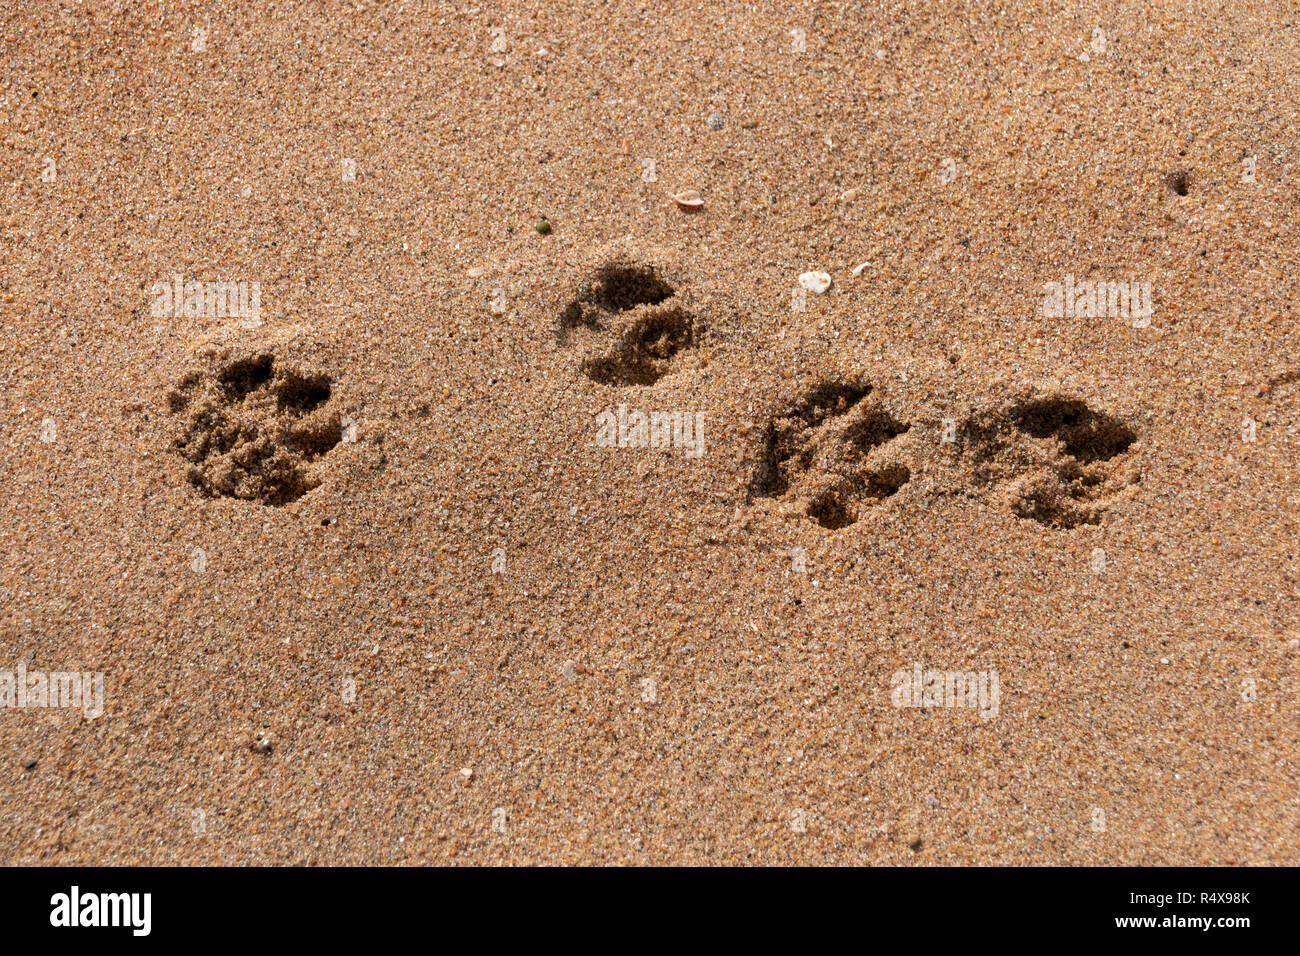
(1052, 459)
(252, 427)
(630, 324)
(830, 452)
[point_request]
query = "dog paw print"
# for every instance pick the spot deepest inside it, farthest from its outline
(1052, 459)
(629, 323)
(253, 427)
(835, 452)
(831, 452)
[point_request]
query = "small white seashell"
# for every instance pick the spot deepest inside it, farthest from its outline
(689, 199)
(816, 282)
(857, 270)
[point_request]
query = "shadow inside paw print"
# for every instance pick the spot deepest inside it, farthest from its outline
(1051, 459)
(251, 428)
(829, 451)
(630, 323)
(836, 451)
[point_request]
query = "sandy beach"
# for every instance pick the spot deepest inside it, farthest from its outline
(597, 433)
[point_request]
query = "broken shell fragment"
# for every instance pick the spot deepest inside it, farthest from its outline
(816, 282)
(689, 200)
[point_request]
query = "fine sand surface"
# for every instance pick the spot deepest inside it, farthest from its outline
(362, 576)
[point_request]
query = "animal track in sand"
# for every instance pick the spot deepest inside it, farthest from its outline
(835, 453)
(1053, 459)
(630, 323)
(252, 427)
(829, 452)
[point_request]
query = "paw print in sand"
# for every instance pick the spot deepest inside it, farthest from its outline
(252, 428)
(629, 323)
(1052, 459)
(830, 452)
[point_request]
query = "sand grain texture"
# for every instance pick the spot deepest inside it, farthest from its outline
(417, 561)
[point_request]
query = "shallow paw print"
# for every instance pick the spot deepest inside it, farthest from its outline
(630, 324)
(1051, 459)
(830, 452)
(251, 428)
